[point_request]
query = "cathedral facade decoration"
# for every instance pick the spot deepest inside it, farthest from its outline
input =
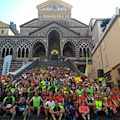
(51, 36)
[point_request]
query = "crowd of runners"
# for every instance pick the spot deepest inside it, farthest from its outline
(59, 93)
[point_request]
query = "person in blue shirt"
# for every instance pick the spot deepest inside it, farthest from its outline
(69, 108)
(58, 82)
(21, 109)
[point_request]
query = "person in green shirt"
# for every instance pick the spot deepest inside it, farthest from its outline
(36, 104)
(101, 107)
(79, 90)
(57, 111)
(90, 90)
(8, 103)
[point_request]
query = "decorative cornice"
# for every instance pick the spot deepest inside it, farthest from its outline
(51, 1)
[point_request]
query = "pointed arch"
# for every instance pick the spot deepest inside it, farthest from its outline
(11, 51)
(84, 52)
(39, 50)
(88, 52)
(69, 49)
(27, 52)
(19, 52)
(80, 52)
(3, 53)
(23, 53)
(7, 51)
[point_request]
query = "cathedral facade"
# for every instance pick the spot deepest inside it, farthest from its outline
(51, 36)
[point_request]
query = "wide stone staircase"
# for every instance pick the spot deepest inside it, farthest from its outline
(52, 63)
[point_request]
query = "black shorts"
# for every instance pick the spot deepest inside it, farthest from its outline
(18, 112)
(57, 117)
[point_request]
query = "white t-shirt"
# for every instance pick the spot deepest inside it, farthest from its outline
(50, 104)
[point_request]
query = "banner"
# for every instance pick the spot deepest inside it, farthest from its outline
(6, 65)
(86, 69)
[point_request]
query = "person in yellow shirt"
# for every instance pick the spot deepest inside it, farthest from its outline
(77, 78)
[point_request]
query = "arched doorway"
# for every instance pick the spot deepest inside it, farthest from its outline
(69, 50)
(53, 45)
(54, 55)
(39, 51)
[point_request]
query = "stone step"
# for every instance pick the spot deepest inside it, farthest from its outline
(52, 63)
(42, 117)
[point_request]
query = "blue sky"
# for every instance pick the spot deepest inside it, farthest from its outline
(21, 11)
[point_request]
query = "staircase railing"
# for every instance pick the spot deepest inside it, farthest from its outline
(73, 67)
(25, 69)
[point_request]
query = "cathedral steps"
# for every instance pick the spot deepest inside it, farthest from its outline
(52, 63)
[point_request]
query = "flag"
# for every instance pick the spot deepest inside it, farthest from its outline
(6, 65)
(86, 69)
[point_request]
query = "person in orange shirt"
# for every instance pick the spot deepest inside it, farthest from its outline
(111, 105)
(60, 98)
(116, 90)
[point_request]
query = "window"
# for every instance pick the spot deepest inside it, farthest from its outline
(119, 72)
(97, 53)
(104, 45)
(2, 31)
(118, 84)
(99, 65)
(106, 60)
(108, 77)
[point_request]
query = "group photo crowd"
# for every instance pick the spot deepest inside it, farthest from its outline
(59, 94)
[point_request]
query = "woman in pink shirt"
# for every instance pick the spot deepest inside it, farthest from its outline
(84, 110)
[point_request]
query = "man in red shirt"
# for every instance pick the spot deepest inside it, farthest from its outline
(60, 98)
(116, 90)
(50, 95)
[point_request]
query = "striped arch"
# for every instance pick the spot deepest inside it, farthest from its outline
(69, 48)
(69, 40)
(54, 28)
(39, 49)
(37, 41)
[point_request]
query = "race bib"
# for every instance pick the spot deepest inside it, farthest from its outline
(21, 109)
(98, 108)
(9, 106)
(3, 81)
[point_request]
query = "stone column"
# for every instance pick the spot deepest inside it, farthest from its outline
(30, 54)
(61, 52)
(46, 53)
(77, 53)
(5, 52)
(14, 52)
(82, 52)
(25, 53)
(90, 52)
